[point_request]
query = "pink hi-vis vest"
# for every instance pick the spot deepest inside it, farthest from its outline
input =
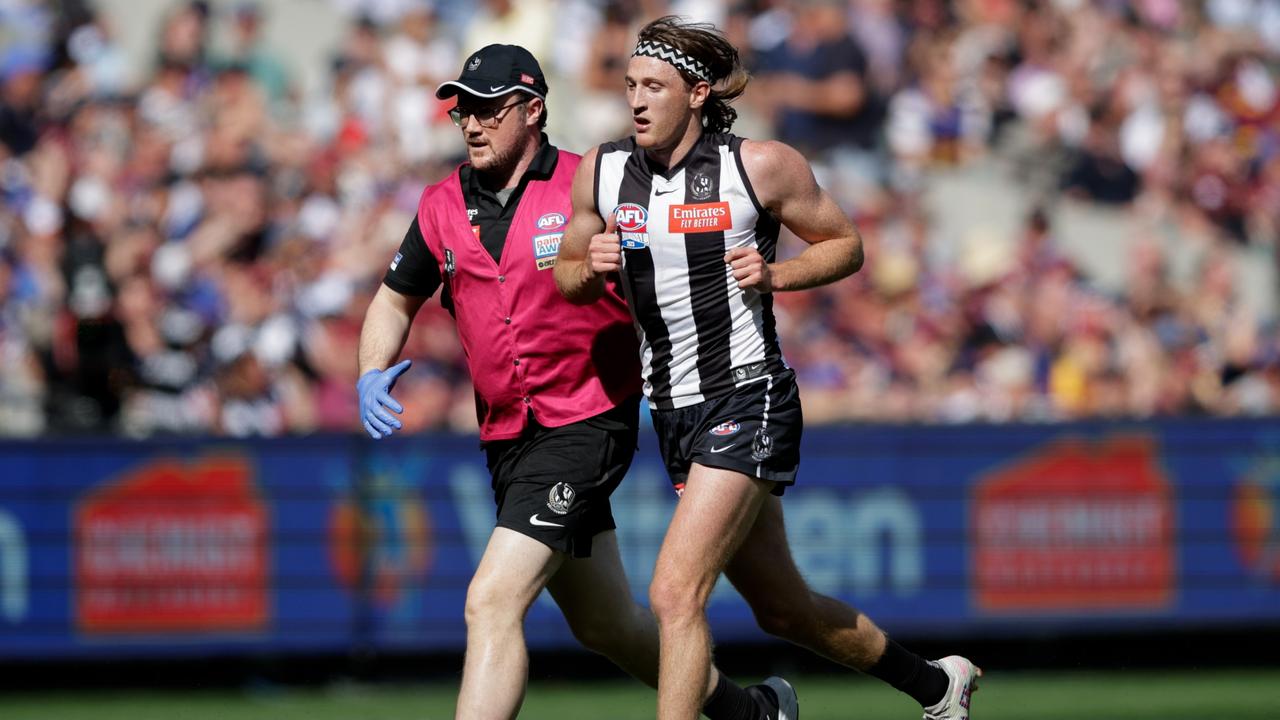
(527, 347)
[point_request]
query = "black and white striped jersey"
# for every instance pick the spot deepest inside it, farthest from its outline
(700, 334)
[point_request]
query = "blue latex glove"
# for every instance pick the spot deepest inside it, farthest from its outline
(374, 388)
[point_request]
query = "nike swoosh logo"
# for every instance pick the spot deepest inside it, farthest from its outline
(496, 88)
(533, 520)
(656, 193)
(722, 448)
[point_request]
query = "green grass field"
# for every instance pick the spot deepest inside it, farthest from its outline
(1119, 695)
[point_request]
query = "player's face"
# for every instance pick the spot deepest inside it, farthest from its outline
(660, 102)
(493, 128)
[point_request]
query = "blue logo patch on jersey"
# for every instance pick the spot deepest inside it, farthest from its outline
(551, 221)
(545, 249)
(725, 428)
(396, 261)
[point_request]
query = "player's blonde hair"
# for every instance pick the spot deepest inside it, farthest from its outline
(705, 43)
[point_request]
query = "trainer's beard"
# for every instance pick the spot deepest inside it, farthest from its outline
(496, 161)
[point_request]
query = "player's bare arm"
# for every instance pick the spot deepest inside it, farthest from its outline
(591, 247)
(386, 327)
(785, 185)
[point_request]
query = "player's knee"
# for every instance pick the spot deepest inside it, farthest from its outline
(674, 601)
(490, 604)
(777, 620)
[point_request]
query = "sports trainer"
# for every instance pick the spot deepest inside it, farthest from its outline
(557, 392)
(689, 215)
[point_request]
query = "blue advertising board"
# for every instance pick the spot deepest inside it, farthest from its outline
(113, 548)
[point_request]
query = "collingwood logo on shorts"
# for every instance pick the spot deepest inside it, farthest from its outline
(761, 446)
(560, 498)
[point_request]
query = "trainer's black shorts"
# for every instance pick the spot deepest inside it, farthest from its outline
(754, 430)
(553, 484)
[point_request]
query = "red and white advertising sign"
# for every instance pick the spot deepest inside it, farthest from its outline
(1075, 526)
(173, 547)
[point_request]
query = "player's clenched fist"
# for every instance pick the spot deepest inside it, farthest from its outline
(605, 251)
(750, 269)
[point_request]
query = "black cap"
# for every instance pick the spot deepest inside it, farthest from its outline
(496, 70)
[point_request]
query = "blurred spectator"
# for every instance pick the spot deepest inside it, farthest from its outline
(605, 115)
(418, 58)
(249, 50)
(529, 23)
(814, 85)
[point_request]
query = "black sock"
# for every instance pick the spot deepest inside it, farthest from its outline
(911, 674)
(731, 702)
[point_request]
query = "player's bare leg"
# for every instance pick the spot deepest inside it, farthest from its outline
(715, 512)
(766, 576)
(514, 569)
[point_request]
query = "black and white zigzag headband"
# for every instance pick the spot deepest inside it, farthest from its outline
(675, 57)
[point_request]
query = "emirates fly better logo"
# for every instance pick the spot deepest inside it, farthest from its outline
(701, 217)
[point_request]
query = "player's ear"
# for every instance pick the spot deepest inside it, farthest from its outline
(699, 93)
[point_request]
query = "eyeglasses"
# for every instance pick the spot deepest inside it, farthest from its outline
(487, 117)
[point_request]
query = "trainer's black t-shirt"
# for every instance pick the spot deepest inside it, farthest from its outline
(415, 271)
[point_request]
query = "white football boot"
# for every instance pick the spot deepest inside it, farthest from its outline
(962, 681)
(788, 702)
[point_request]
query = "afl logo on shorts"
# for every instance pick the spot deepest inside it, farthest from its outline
(725, 428)
(551, 221)
(560, 498)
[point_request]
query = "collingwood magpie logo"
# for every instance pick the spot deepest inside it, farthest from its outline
(761, 446)
(450, 266)
(560, 498)
(700, 187)
(475, 63)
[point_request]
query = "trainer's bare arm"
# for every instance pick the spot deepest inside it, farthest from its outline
(590, 248)
(785, 186)
(386, 327)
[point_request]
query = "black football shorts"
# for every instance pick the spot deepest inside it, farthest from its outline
(553, 484)
(754, 430)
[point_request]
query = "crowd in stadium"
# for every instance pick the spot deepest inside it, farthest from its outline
(194, 253)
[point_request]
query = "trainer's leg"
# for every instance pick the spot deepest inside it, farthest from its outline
(596, 600)
(597, 603)
(766, 576)
(715, 512)
(514, 569)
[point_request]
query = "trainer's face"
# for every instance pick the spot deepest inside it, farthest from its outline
(495, 128)
(662, 103)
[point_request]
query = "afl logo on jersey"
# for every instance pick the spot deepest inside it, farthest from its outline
(631, 217)
(551, 221)
(725, 428)
(633, 225)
